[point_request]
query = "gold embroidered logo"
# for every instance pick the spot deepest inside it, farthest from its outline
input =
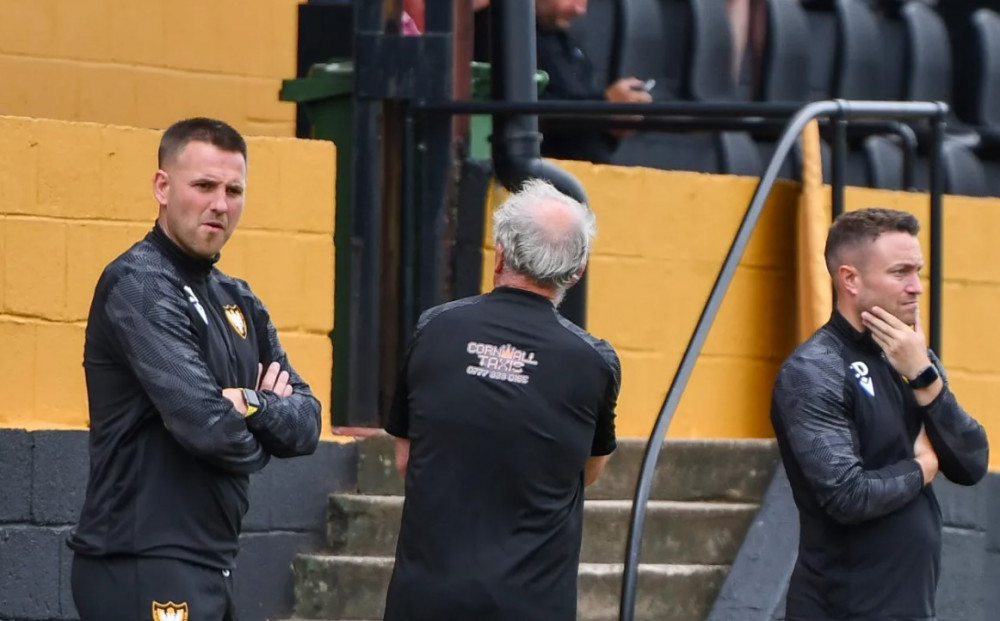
(236, 320)
(170, 611)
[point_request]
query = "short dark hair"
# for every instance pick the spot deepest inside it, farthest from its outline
(853, 228)
(199, 129)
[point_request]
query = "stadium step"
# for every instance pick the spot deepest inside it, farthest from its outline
(703, 498)
(674, 592)
(675, 532)
(730, 470)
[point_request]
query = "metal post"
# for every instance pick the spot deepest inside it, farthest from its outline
(839, 171)
(364, 338)
(436, 167)
(936, 233)
(408, 234)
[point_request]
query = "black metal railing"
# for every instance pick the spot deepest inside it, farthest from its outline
(693, 117)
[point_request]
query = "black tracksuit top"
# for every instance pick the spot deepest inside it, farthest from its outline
(170, 457)
(870, 531)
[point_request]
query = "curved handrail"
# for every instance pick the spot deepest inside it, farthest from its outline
(840, 109)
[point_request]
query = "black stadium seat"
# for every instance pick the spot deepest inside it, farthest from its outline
(786, 51)
(983, 91)
(858, 68)
(598, 33)
(963, 173)
(654, 42)
(708, 79)
(985, 84)
(782, 80)
(676, 42)
(707, 71)
(928, 70)
(885, 163)
(847, 62)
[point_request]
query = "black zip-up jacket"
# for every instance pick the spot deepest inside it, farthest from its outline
(870, 531)
(571, 77)
(170, 457)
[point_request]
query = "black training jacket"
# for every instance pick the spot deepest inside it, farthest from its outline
(170, 457)
(870, 531)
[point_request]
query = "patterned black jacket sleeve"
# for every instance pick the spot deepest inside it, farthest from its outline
(286, 426)
(153, 331)
(809, 410)
(960, 442)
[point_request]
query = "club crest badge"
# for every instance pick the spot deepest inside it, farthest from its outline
(170, 611)
(235, 317)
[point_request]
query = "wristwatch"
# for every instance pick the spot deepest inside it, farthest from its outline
(252, 401)
(925, 378)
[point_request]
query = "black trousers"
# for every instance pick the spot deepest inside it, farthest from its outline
(150, 589)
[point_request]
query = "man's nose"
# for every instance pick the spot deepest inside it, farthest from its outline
(219, 202)
(915, 285)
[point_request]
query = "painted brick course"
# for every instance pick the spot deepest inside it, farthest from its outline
(73, 196)
(147, 64)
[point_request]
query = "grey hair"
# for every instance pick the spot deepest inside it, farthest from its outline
(549, 258)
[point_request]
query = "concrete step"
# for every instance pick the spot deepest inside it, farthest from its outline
(353, 587)
(733, 470)
(675, 532)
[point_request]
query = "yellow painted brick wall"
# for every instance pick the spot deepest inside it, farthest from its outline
(149, 63)
(662, 237)
(75, 195)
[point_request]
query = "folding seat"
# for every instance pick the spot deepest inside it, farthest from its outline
(984, 87)
(598, 33)
(782, 80)
(656, 43)
(916, 41)
(685, 45)
(854, 69)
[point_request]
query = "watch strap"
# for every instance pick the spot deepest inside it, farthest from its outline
(925, 378)
(252, 401)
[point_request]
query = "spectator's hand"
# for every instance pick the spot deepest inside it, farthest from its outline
(905, 348)
(627, 90)
(274, 380)
(924, 453)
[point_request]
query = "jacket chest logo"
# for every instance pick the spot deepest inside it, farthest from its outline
(864, 380)
(235, 318)
(170, 611)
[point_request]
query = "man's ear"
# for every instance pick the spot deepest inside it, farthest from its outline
(577, 276)
(161, 186)
(498, 260)
(849, 279)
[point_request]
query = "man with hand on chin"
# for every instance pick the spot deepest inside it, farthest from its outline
(865, 419)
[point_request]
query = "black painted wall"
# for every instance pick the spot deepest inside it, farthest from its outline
(970, 557)
(43, 477)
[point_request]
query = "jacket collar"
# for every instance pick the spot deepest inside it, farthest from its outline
(843, 328)
(193, 266)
